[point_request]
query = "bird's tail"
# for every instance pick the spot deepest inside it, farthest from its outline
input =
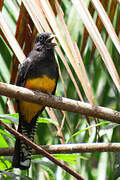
(22, 151)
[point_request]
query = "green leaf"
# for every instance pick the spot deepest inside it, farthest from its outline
(95, 125)
(4, 164)
(3, 142)
(14, 176)
(46, 121)
(7, 134)
(49, 171)
(70, 158)
(8, 118)
(108, 128)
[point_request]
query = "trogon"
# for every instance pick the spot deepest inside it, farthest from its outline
(39, 71)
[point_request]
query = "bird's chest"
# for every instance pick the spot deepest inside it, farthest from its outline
(42, 76)
(44, 84)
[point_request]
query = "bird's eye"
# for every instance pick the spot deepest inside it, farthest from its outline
(41, 38)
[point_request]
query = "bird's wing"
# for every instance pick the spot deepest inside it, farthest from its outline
(24, 69)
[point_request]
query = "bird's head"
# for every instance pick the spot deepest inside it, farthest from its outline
(44, 40)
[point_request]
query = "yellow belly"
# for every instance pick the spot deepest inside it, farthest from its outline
(43, 84)
(29, 110)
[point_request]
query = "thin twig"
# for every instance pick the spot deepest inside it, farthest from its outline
(70, 148)
(42, 151)
(59, 102)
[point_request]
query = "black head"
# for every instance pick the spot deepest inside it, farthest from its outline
(44, 40)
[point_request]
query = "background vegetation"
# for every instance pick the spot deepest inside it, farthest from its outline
(89, 71)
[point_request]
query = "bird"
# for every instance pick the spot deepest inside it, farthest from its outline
(38, 72)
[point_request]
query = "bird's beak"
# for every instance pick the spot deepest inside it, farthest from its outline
(52, 36)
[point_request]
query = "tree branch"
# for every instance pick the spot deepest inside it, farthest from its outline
(70, 148)
(41, 151)
(59, 102)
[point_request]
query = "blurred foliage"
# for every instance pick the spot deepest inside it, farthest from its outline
(93, 166)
